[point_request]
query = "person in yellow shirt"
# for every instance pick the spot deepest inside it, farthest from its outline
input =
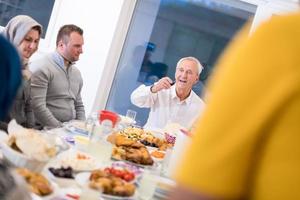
(247, 143)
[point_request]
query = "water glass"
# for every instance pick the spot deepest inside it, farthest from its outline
(165, 163)
(131, 114)
(147, 185)
(88, 193)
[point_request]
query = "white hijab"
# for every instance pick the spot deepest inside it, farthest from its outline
(15, 31)
(18, 27)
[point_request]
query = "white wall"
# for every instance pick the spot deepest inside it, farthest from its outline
(98, 19)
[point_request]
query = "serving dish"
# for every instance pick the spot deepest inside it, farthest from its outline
(17, 158)
(83, 179)
(79, 161)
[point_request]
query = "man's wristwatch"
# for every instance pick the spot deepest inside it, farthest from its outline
(151, 88)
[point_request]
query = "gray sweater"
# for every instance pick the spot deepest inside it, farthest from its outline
(56, 92)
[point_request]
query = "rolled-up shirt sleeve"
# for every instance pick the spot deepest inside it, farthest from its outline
(143, 97)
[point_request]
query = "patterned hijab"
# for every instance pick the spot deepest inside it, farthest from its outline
(10, 75)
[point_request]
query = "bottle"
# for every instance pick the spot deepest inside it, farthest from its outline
(90, 123)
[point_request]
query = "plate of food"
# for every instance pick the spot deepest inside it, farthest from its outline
(37, 183)
(108, 185)
(27, 148)
(137, 171)
(77, 127)
(63, 176)
(137, 156)
(126, 121)
(150, 138)
(77, 160)
(157, 156)
(132, 151)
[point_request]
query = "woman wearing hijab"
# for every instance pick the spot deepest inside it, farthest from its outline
(10, 80)
(24, 32)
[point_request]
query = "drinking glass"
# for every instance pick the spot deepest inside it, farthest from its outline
(131, 114)
(165, 164)
(147, 184)
(88, 193)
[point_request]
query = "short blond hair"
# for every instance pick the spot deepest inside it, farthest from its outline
(191, 58)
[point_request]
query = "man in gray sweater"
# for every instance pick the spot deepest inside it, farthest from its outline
(57, 84)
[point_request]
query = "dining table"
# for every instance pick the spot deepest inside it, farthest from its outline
(162, 184)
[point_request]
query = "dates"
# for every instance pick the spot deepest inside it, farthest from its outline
(150, 144)
(62, 172)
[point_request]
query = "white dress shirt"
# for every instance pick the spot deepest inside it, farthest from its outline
(166, 107)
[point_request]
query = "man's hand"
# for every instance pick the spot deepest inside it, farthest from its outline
(163, 83)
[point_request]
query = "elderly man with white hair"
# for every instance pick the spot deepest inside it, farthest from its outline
(169, 102)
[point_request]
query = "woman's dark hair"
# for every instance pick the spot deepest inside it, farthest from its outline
(38, 28)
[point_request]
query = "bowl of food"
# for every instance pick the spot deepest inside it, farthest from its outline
(36, 182)
(27, 148)
(63, 176)
(19, 159)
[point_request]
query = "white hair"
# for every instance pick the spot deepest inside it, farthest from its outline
(199, 66)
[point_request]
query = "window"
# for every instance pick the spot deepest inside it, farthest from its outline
(40, 10)
(161, 32)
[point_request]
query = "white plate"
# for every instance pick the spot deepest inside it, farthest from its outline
(69, 158)
(62, 182)
(155, 158)
(127, 120)
(64, 192)
(158, 133)
(49, 196)
(21, 160)
(154, 166)
(107, 196)
(83, 179)
(132, 168)
(76, 127)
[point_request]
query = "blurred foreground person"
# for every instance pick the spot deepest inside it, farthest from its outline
(10, 79)
(25, 33)
(247, 144)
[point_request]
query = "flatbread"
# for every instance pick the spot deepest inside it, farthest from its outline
(31, 142)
